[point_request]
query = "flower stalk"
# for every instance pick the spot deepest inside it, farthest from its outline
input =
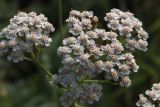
(100, 81)
(45, 71)
(60, 18)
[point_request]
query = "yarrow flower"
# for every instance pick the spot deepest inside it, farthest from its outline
(126, 24)
(23, 34)
(85, 92)
(153, 95)
(80, 21)
(144, 102)
(91, 51)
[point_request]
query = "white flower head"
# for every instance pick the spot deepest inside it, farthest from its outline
(144, 102)
(25, 32)
(92, 50)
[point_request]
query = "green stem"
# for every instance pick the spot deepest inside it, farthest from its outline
(38, 53)
(41, 66)
(77, 105)
(29, 59)
(60, 18)
(99, 81)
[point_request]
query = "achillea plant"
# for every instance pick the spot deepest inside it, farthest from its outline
(92, 50)
(88, 52)
(24, 33)
(153, 97)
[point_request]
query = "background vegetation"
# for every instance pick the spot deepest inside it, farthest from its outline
(21, 85)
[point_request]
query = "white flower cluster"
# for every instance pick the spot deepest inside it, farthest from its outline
(126, 24)
(87, 93)
(24, 32)
(92, 50)
(153, 94)
(78, 21)
(144, 102)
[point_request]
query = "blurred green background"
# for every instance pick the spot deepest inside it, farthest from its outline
(21, 85)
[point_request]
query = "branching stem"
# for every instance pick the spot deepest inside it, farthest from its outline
(36, 61)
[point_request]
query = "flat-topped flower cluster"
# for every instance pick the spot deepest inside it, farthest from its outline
(24, 32)
(92, 50)
(153, 96)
